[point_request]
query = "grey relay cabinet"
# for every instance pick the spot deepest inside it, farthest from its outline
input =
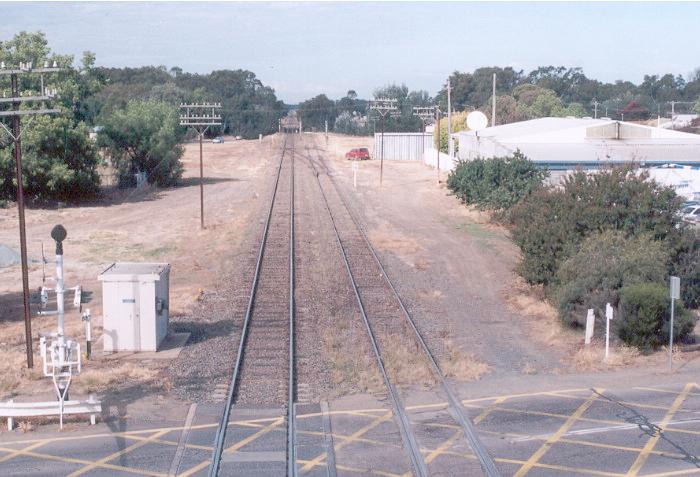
(135, 305)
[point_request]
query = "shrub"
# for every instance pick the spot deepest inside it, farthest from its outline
(645, 311)
(497, 183)
(59, 161)
(143, 137)
(550, 224)
(686, 266)
(459, 123)
(604, 264)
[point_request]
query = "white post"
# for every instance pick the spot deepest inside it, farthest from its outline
(354, 175)
(59, 303)
(608, 317)
(92, 400)
(590, 325)
(675, 294)
(10, 420)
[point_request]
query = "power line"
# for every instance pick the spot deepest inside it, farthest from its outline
(16, 100)
(383, 106)
(200, 116)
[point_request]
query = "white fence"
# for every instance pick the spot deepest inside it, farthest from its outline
(11, 409)
(430, 158)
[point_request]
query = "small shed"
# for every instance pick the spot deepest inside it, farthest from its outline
(136, 303)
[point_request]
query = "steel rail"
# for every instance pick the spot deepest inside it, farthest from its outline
(417, 462)
(485, 460)
(291, 418)
(223, 424)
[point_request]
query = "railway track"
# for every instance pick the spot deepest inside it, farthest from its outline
(264, 371)
(385, 317)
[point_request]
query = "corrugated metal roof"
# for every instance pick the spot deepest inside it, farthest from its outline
(567, 142)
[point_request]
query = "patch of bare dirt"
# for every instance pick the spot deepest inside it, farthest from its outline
(151, 225)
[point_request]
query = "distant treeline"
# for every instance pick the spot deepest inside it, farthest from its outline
(249, 108)
(134, 112)
(545, 91)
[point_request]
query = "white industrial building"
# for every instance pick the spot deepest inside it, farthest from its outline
(570, 143)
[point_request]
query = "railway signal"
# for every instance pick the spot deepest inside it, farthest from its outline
(15, 114)
(200, 117)
(383, 107)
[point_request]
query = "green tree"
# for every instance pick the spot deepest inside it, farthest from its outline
(316, 111)
(59, 161)
(645, 316)
(459, 123)
(143, 137)
(605, 263)
(496, 183)
(550, 224)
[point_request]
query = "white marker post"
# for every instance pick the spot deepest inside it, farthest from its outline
(675, 294)
(354, 174)
(590, 325)
(608, 317)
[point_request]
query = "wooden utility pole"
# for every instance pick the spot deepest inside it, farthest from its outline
(383, 107)
(15, 114)
(195, 116)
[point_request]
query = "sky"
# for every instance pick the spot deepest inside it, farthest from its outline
(305, 49)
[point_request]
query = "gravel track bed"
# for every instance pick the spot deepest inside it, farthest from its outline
(333, 354)
(216, 322)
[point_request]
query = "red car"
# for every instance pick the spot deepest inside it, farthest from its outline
(358, 154)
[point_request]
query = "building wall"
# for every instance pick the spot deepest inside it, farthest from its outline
(402, 146)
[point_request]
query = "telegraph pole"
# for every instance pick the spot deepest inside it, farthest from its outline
(595, 108)
(437, 121)
(383, 107)
(196, 117)
(425, 114)
(493, 105)
(15, 114)
(673, 110)
(449, 118)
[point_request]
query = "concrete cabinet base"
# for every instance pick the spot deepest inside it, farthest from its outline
(136, 303)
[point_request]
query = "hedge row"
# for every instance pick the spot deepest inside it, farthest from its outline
(592, 240)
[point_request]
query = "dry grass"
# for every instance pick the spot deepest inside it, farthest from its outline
(461, 365)
(350, 369)
(543, 321)
(544, 326)
(405, 362)
(118, 245)
(107, 377)
(592, 357)
(408, 249)
(15, 373)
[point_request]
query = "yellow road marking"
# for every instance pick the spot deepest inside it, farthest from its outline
(513, 396)
(484, 414)
(71, 460)
(252, 437)
(627, 403)
(352, 438)
(674, 472)
(122, 452)
(353, 469)
(561, 416)
(235, 447)
(663, 391)
(443, 447)
(16, 452)
(534, 458)
(651, 443)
